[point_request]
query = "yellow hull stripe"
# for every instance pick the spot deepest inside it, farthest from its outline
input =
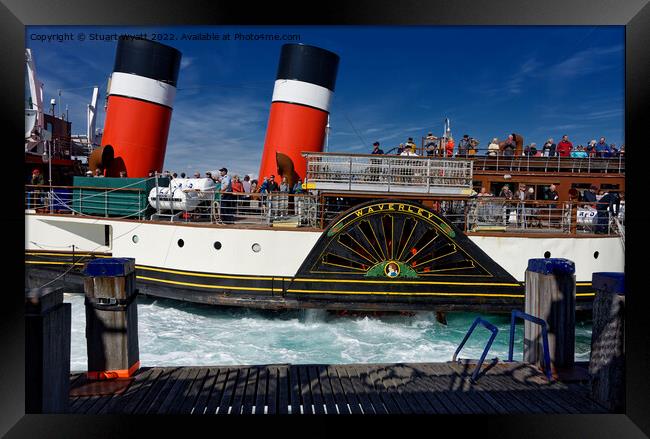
(220, 276)
(409, 282)
(391, 293)
(190, 284)
(57, 263)
(65, 255)
(586, 294)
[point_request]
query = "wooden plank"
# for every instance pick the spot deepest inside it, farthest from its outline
(100, 403)
(368, 388)
(305, 391)
(141, 377)
(283, 390)
(209, 388)
(294, 389)
(403, 376)
(316, 392)
(194, 392)
(79, 401)
(518, 380)
(389, 387)
(182, 391)
(263, 374)
(149, 385)
(442, 382)
(326, 388)
(228, 391)
(408, 387)
(337, 391)
(359, 390)
(176, 391)
(500, 383)
(248, 402)
(348, 391)
(470, 391)
(86, 403)
(152, 405)
(387, 398)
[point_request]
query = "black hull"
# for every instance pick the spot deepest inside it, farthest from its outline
(73, 282)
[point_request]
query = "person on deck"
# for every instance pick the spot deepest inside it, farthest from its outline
(509, 146)
(226, 197)
(591, 148)
(564, 147)
(375, 164)
(548, 150)
(449, 148)
(493, 148)
(283, 207)
(463, 146)
(508, 195)
(604, 208)
(430, 144)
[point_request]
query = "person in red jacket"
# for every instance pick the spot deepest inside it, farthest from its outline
(564, 147)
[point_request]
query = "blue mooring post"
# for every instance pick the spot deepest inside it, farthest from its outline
(551, 296)
(111, 318)
(607, 358)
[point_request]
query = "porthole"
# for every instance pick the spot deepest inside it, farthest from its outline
(256, 247)
(217, 245)
(135, 239)
(596, 254)
(547, 254)
(181, 243)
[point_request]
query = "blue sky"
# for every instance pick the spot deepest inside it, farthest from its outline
(393, 83)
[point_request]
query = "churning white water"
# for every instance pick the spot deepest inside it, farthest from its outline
(174, 333)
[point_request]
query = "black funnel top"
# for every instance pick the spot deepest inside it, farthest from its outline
(149, 59)
(308, 64)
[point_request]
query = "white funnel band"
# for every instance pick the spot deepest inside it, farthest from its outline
(304, 93)
(139, 87)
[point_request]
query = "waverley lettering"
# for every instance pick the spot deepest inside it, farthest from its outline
(393, 207)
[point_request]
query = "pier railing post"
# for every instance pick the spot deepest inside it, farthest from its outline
(550, 295)
(607, 358)
(111, 318)
(47, 334)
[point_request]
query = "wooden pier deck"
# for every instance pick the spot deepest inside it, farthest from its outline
(413, 388)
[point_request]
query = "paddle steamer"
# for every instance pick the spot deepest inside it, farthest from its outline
(369, 232)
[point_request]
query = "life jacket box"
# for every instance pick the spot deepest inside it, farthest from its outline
(121, 197)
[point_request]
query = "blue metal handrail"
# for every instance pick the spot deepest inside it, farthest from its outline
(488, 326)
(544, 325)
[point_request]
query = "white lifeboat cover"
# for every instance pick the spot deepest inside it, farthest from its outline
(183, 194)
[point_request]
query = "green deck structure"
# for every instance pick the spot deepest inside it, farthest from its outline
(114, 197)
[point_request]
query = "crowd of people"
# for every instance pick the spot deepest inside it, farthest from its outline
(468, 147)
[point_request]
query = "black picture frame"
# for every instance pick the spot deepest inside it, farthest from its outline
(16, 14)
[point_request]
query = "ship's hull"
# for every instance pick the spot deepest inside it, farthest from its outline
(218, 265)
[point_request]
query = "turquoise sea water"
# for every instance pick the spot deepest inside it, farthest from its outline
(174, 333)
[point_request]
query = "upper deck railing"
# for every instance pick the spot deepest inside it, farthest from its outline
(485, 160)
(388, 174)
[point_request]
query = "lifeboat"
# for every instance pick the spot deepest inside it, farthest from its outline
(183, 194)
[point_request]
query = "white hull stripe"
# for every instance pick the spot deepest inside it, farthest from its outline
(139, 87)
(305, 93)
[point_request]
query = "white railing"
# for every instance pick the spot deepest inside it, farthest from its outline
(476, 214)
(385, 173)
